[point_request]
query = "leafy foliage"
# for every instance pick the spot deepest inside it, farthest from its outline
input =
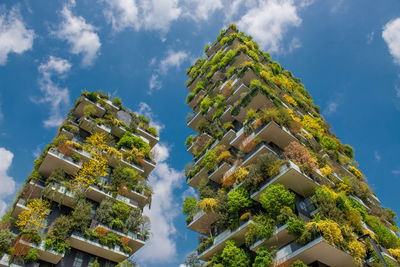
(275, 198)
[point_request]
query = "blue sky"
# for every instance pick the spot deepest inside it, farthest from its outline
(347, 53)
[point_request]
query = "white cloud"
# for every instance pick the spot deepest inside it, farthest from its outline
(269, 21)
(173, 59)
(14, 36)
(391, 35)
(332, 107)
(370, 37)
(378, 157)
(202, 9)
(164, 209)
(54, 96)
(138, 14)
(396, 172)
(80, 35)
(7, 183)
(122, 14)
(145, 110)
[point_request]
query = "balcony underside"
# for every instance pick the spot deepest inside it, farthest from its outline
(218, 174)
(317, 250)
(79, 110)
(96, 249)
(280, 238)
(292, 178)
(54, 160)
(259, 101)
(238, 235)
(195, 180)
(202, 224)
(153, 140)
(200, 142)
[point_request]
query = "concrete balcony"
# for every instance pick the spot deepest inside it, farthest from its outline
(118, 130)
(153, 140)
(34, 189)
(115, 162)
(194, 83)
(54, 160)
(195, 120)
(360, 202)
(249, 76)
(138, 197)
(219, 172)
(258, 101)
(271, 132)
(116, 254)
(260, 149)
(202, 222)
(64, 132)
(19, 207)
(195, 180)
(97, 194)
(92, 126)
(110, 105)
(317, 250)
(219, 241)
(280, 238)
(79, 110)
(199, 143)
(135, 243)
(45, 255)
(235, 95)
(226, 116)
(5, 259)
(148, 166)
(291, 177)
(240, 59)
(218, 75)
(193, 103)
(58, 193)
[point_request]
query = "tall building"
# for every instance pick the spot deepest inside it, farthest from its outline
(276, 186)
(82, 204)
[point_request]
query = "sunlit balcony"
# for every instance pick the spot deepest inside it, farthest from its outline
(54, 160)
(317, 250)
(92, 126)
(135, 241)
(291, 177)
(258, 101)
(153, 140)
(44, 255)
(202, 222)
(271, 132)
(219, 241)
(196, 99)
(80, 108)
(199, 143)
(80, 242)
(97, 194)
(19, 207)
(279, 238)
(116, 162)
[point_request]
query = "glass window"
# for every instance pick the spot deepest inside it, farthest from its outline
(78, 261)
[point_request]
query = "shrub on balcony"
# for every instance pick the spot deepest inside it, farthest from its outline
(134, 221)
(234, 256)
(263, 228)
(238, 199)
(263, 257)
(383, 235)
(76, 157)
(205, 244)
(299, 154)
(358, 251)
(60, 229)
(32, 255)
(205, 104)
(349, 151)
(104, 211)
(189, 206)
(92, 96)
(328, 143)
(130, 141)
(189, 140)
(208, 204)
(121, 210)
(295, 226)
(275, 198)
(117, 102)
(251, 114)
(205, 190)
(117, 224)
(278, 115)
(89, 111)
(121, 175)
(298, 263)
(81, 216)
(6, 240)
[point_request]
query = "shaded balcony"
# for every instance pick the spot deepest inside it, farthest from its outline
(79, 110)
(44, 255)
(202, 222)
(258, 101)
(97, 194)
(291, 177)
(279, 238)
(54, 160)
(199, 143)
(92, 126)
(153, 140)
(80, 242)
(317, 250)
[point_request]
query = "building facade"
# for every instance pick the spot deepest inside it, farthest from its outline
(276, 186)
(82, 204)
